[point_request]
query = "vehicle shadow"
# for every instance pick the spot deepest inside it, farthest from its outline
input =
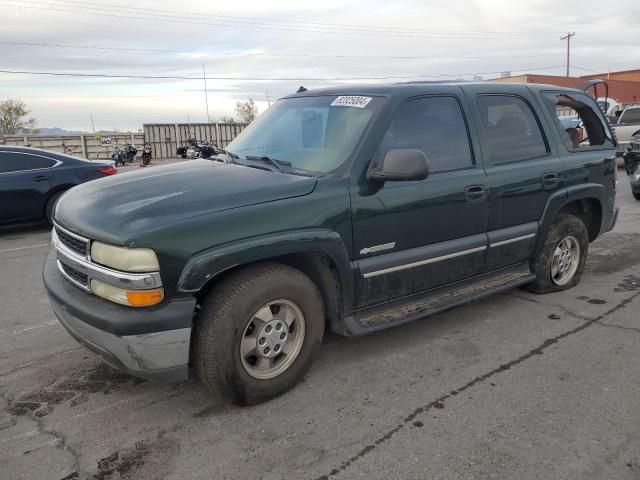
(17, 232)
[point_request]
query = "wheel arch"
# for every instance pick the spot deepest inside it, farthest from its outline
(585, 201)
(53, 191)
(321, 255)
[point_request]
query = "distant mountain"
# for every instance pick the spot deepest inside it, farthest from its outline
(58, 131)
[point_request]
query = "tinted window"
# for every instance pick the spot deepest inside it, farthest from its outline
(436, 126)
(579, 121)
(631, 115)
(511, 129)
(14, 162)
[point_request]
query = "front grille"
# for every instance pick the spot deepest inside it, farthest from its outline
(76, 275)
(72, 243)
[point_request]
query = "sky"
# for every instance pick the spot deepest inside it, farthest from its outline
(266, 49)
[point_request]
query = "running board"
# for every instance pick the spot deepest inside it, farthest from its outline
(418, 306)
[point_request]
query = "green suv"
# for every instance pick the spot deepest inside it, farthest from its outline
(350, 209)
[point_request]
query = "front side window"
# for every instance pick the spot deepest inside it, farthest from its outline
(511, 129)
(630, 115)
(578, 120)
(436, 126)
(317, 134)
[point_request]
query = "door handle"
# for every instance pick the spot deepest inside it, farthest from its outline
(550, 180)
(473, 193)
(41, 178)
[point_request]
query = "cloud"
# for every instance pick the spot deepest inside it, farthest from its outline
(459, 39)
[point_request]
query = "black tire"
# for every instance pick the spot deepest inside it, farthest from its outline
(565, 225)
(228, 310)
(636, 195)
(183, 155)
(51, 204)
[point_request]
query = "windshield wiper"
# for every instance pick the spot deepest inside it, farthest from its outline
(276, 163)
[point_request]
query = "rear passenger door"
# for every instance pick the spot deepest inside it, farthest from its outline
(522, 170)
(411, 236)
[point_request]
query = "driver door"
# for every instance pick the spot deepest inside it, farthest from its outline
(411, 236)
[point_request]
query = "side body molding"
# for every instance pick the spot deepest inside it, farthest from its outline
(206, 265)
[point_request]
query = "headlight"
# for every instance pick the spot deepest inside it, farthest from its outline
(131, 298)
(125, 259)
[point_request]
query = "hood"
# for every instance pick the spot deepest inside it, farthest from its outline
(114, 209)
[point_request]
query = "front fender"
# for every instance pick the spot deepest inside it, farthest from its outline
(210, 263)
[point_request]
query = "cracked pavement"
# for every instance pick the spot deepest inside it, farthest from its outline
(512, 386)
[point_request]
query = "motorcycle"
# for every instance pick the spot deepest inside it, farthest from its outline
(146, 154)
(196, 149)
(130, 152)
(119, 155)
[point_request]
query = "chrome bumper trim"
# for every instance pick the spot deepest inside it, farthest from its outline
(128, 281)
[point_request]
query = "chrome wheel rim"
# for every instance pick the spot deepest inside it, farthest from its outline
(566, 258)
(272, 339)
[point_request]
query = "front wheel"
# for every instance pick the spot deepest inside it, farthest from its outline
(258, 332)
(636, 195)
(561, 260)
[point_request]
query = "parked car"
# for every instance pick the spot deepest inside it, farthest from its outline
(32, 180)
(632, 164)
(628, 124)
(352, 209)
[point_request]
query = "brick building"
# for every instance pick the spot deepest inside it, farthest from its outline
(624, 86)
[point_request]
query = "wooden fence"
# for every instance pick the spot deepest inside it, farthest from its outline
(86, 146)
(164, 139)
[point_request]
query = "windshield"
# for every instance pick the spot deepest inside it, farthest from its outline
(316, 134)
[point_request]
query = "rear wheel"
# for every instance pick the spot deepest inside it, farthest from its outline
(560, 263)
(257, 333)
(51, 205)
(636, 195)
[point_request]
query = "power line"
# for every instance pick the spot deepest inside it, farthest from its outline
(273, 79)
(131, 14)
(257, 20)
(262, 54)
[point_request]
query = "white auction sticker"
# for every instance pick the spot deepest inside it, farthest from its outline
(351, 101)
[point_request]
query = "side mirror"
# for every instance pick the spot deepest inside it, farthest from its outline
(402, 164)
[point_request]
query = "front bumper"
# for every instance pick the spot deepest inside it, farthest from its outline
(151, 343)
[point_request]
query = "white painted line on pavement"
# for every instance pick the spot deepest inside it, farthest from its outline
(24, 248)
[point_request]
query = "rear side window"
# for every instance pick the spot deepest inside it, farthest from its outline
(579, 121)
(16, 162)
(436, 126)
(512, 131)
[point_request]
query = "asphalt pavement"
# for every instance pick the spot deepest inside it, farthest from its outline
(515, 386)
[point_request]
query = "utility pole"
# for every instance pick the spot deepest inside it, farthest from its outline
(93, 127)
(268, 99)
(206, 96)
(567, 37)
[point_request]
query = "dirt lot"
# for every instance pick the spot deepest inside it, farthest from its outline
(515, 386)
